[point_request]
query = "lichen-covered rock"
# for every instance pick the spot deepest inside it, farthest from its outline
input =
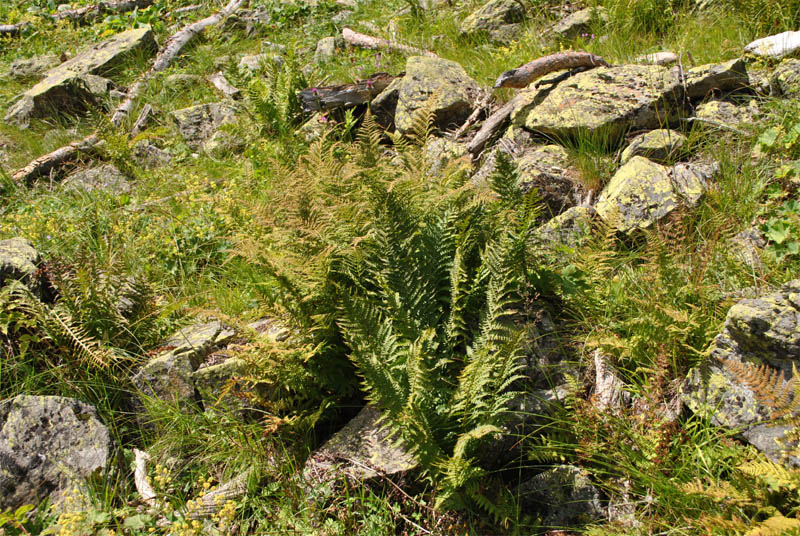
(441, 84)
(199, 339)
(721, 77)
(49, 445)
(563, 496)
(223, 143)
(19, 260)
(775, 46)
(362, 450)
(35, 67)
(603, 100)
(566, 229)
(578, 23)
(105, 177)
(659, 145)
(787, 78)
(63, 89)
(747, 244)
(326, 49)
(756, 331)
(199, 123)
(642, 192)
(727, 113)
(440, 151)
(150, 156)
(216, 383)
(492, 18)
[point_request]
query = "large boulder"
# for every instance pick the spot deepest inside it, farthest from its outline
(34, 67)
(106, 177)
(49, 445)
(199, 123)
(775, 46)
(494, 19)
(762, 331)
(660, 145)
(642, 192)
(441, 84)
(605, 100)
(64, 88)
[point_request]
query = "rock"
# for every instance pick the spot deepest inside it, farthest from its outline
(149, 156)
(580, 22)
(642, 192)
(746, 245)
(563, 496)
(659, 145)
(441, 84)
(63, 89)
(727, 113)
(441, 151)
(254, 62)
(760, 80)
(35, 67)
(721, 77)
(787, 78)
(98, 87)
(604, 100)
(198, 123)
(326, 49)
(545, 167)
(106, 178)
(657, 58)
(775, 46)
(567, 229)
(48, 446)
(362, 450)
(757, 331)
(224, 143)
(19, 260)
(216, 383)
(199, 339)
(493, 18)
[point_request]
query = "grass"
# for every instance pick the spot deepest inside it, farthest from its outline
(651, 303)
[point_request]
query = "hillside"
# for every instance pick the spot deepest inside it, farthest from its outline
(442, 267)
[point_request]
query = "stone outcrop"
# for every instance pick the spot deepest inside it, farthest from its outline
(105, 177)
(660, 145)
(757, 331)
(19, 260)
(496, 18)
(49, 445)
(727, 113)
(64, 88)
(563, 496)
(35, 67)
(702, 80)
(198, 123)
(566, 229)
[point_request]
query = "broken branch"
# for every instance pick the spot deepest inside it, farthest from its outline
(49, 162)
(490, 127)
(320, 99)
(13, 30)
(524, 75)
(376, 43)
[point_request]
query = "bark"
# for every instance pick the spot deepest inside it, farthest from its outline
(221, 83)
(320, 99)
(494, 123)
(50, 162)
(522, 76)
(171, 49)
(144, 488)
(88, 14)
(13, 30)
(376, 43)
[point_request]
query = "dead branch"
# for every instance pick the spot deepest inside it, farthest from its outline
(141, 121)
(49, 162)
(171, 49)
(376, 43)
(482, 105)
(221, 83)
(316, 99)
(187, 9)
(144, 488)
(88, 14)
(494, 123)
(13, 30)
(522, 76)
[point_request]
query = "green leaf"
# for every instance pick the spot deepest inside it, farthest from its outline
(777, 231)
(137, 522)
(769, 137)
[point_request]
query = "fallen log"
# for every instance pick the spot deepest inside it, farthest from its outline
(376, 43)
(490, 126)
(221, 83)
(320, 99)
(49, 162)
(171, 49)
(13, 30)
(522, 76)
(85, 15)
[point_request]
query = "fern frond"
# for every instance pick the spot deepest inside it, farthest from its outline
(772, 474)
(767, 383)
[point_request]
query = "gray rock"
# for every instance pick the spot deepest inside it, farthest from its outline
(757, 331)
(224, 143)
(787, 78)
(661, 145)
(362, 450)
(35, 67)
(64, 91)
(200, 339)
(149, 156)
(199, 123)
(19, 260)
(702, 80)
(775, 46)
(727, 113)
(49, 445)
(563, 496)
(747, 246)
(608, 101)
(567, 229)
(441, 84)
(439, 152)
(494, 19)
(106, 178)
(326, 49)
(579, 23)
(254, 62)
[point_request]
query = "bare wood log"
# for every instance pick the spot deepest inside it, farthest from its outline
(490, 126)
(376, 43)
(53, 160)
(144, 488)
(171, 48)
(89, 14)
(524, 75)
(473, 117)
(213, 501)
(316, 99)
(13, 30)
(187, 9)
(221, 83)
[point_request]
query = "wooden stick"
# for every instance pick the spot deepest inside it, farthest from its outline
(376, 43)
(523, 76)
(490, 126)
(479, 108)
(144, 488)
(221, 83)
(171, 49)
(89, 14)
(141, 121)
(316, 99)
(51, 161)
(13, 30)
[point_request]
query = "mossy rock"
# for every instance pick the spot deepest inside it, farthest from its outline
(661, 145)
(198, 123)
(578, 23)
(787, 78)
(703, 80)
(491, 17)
(727, 113)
